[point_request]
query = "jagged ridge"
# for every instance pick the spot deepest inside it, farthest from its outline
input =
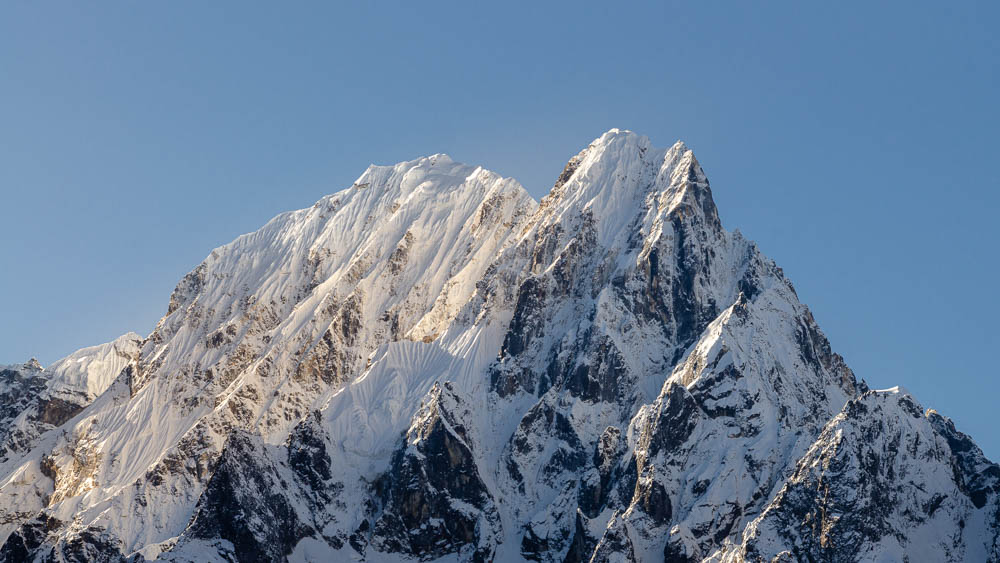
(429, 365)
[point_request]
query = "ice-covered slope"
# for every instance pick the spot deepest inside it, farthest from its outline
(33, 400)
(430, 366)
(256, 335)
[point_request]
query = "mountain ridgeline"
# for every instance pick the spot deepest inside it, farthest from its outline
(431, 366)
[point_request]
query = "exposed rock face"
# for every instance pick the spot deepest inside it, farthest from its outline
(729, 421)
(248, 503)
(428, 365)
(22, 389)
(434, 485)
(883, 481)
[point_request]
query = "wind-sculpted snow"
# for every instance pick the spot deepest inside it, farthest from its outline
(33, 400)
(260, 333)
(430, 366)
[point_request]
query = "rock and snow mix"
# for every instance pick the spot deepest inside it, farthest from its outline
(429, 365)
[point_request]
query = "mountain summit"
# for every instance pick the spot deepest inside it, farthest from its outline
(429, 365)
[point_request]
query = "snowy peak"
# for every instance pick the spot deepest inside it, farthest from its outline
(693, 195)
(90, 371)
(621, 184)
(402, 243)
(263, 332)
(428, 364)
(437, 171)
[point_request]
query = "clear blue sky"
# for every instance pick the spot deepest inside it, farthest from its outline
(856, 143)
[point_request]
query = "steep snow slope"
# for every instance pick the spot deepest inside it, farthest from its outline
(33, 400)
(430, 366)
(259, 331)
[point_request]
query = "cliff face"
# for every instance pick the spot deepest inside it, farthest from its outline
(430, 365)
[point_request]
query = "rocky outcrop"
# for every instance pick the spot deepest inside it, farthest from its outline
(883, 480)
(38, 540)
(433, 499)
(21, 388)
(248, 502)
(730, 421)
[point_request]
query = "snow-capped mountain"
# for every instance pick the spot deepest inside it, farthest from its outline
(33, 400)
(429, 365)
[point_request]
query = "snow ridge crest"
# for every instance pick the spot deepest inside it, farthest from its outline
(429, 365)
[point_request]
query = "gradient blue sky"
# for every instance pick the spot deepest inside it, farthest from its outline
(856, 143)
